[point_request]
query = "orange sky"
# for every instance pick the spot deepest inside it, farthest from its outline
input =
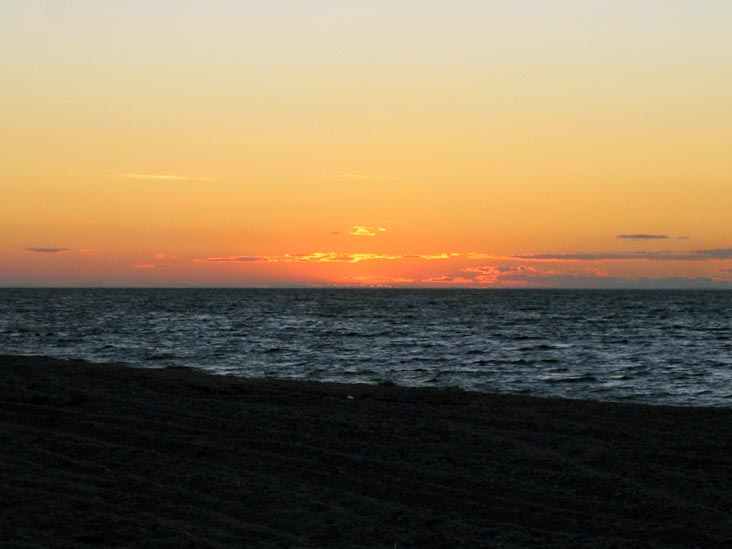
(470, 144)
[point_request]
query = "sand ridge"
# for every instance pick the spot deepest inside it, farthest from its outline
(106, 455)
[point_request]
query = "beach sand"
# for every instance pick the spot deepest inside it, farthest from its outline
(110, 455)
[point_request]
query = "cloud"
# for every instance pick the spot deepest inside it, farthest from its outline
(502, 273)
(364, 230)
(431, 257)
(692, 255)
(643, 236)
(163, 177)
(322, 257)
(233, 259)
(447, 279)
(714, 254)
(528, 276)
(48, 250)
(608, 256)
(717, 253)
(89, 252)
(145, 266)
(478, 255)
(487, 273)
(315, 257)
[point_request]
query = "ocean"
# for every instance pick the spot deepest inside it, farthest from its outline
(661, 347)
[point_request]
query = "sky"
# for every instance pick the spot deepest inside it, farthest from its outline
(461, 143)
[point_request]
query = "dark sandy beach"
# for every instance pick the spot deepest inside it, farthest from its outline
(106, 455)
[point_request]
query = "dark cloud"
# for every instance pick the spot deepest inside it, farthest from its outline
(527, 276)
(48, 250)
(601, 256)
(717, 253)
(693, 255)
(643, 236)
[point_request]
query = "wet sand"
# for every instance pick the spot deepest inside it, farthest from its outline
(106, 455)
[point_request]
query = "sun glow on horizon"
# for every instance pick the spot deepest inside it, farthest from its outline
(448, 144)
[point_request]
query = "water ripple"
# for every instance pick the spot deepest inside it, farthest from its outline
(672, 347)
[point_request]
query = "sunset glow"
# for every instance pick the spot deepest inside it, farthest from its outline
(408, 144)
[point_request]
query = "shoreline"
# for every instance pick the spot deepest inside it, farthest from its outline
(106, 454)
(344, 385)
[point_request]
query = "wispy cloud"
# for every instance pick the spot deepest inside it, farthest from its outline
(493, 274)
(715, 254)
(480, 255)
(364, 230)
(48, 250)
(234, 259)
(322, 257)
(431, 257)
(315, 257)
(163, 177)
(642, 236)
(448, 279)
(145, 266)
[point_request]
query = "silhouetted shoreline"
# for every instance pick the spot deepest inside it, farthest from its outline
(110, 455)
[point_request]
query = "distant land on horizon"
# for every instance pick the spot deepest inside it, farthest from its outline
(646, 284)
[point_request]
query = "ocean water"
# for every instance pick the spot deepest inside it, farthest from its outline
(664, 347)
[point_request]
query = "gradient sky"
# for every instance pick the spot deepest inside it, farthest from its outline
(569, 143)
